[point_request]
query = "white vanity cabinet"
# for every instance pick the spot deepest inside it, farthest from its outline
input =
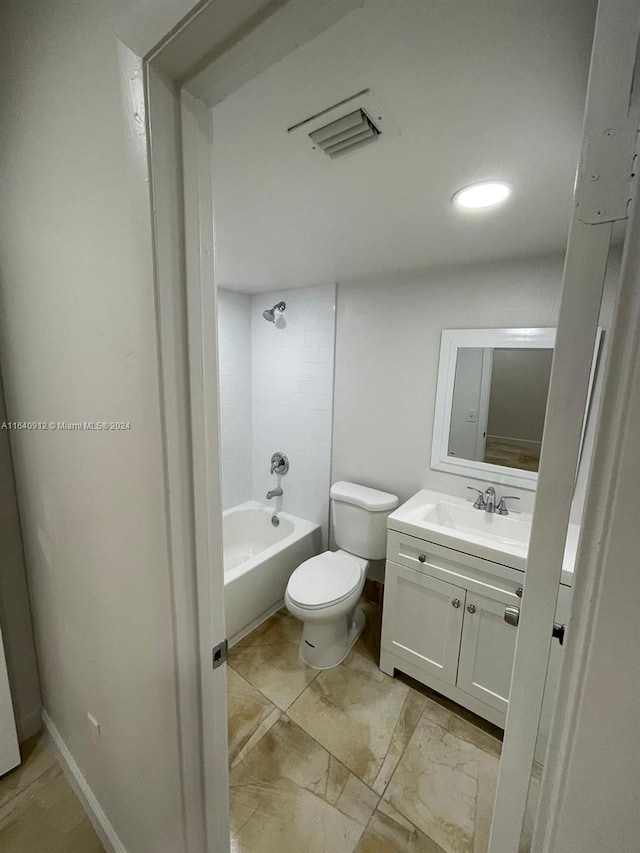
(444, 624)
(423, 618)
(487, 647)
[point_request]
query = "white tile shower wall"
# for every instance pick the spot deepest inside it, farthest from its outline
(293, 398)
(234, 343)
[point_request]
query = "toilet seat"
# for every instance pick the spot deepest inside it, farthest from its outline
(324, 580)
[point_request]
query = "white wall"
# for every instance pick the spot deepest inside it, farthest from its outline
(387, 350)
(15, 611)
(293, 398)
(234, 347)
(78, 342)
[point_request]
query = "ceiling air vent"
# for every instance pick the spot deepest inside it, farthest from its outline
(345, 134)
(346, 127)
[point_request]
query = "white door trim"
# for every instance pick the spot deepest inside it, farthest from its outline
(608, 493)
(203, 377)
(607, 108)
(483, 407)
(179, 149)
(180, 164)
(168, 223)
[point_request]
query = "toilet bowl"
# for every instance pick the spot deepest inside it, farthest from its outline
(323, 591)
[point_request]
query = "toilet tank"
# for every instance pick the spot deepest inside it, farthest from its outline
(360, 519)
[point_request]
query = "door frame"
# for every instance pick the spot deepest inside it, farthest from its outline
(611, 113)
(483, 407)
(171, 42)
(169, 56)
(179, 150)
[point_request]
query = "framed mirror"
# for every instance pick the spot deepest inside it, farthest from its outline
(491, 403)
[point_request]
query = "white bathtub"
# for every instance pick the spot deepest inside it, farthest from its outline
(258, 561)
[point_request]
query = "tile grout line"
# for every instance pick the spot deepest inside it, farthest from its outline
(54, 763)
(246, 749)
(24, 794)
(335, 757)
(401, 756)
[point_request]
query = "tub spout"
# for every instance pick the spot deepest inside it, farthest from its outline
(274, 493)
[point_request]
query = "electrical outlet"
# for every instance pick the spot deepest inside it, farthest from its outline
(472, 416)
(95, 728)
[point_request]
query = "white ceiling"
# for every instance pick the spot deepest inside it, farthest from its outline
(478, 89)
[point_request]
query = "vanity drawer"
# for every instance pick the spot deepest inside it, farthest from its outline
(483, 576)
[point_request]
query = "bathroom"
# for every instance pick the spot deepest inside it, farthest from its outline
(182, 254)
(343, 285)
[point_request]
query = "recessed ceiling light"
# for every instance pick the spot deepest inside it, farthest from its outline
(486, 194)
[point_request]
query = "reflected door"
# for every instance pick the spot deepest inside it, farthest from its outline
(9, 751)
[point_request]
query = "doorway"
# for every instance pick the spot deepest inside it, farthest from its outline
(198, 118)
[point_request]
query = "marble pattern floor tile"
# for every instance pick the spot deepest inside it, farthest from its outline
(488, 767)
(290, 794)
(37, 757)
(249, 715)
(47, 817)
(268, 659)
(436, 784)
(361, 715)
(312, 778)
(390, 832)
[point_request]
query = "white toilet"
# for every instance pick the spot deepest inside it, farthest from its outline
(323, 591)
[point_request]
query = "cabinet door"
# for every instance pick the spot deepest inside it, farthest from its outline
(486, 651)
(422, 621)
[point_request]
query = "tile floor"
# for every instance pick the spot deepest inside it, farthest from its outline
(348, 759)
(39, 813)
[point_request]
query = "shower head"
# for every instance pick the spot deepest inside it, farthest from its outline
(270, 314)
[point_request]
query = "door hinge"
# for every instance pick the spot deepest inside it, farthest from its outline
(219, 654)
(608, 172)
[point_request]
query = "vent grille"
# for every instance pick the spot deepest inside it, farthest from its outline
(345, 127)
(345, 134)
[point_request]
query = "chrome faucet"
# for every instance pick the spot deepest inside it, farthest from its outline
(274, 493)
(487, 500)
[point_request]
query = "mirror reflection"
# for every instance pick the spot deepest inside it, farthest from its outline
(499, 404)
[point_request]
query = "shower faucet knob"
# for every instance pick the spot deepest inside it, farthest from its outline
(279, 463)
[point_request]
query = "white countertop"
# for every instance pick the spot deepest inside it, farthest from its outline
(500, 539)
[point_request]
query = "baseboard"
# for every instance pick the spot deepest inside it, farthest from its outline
(29, 724)
(98, 818)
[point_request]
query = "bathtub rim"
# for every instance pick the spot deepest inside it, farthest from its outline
(301, 527)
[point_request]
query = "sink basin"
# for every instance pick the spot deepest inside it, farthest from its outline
(505, 529)
(454, 523)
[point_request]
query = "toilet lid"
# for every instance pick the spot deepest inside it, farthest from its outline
(324, 580)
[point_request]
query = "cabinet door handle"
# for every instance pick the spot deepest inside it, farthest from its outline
(455, 602)
(512, 616)
(519, 592)
(471, 608)
(422, 558)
